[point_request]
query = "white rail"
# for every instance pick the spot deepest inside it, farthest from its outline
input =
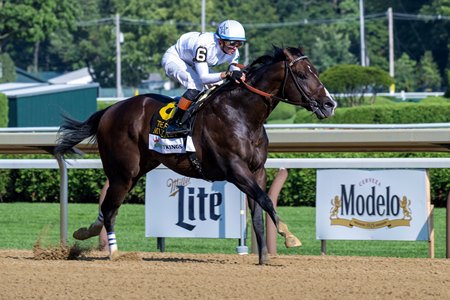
(288, 163)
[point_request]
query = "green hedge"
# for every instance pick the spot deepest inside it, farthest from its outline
(282, 112)
(42, 185)
(3, 110)
(8, 68)
(85, 184)
(400, 113)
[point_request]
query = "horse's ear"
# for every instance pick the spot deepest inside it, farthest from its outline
(302, 50)
(288, 54)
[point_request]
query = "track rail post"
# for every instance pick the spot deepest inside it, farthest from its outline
(63, 200)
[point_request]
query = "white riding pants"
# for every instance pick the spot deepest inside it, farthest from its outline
(180, 71)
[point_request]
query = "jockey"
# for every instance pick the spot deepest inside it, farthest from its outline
(190, 59)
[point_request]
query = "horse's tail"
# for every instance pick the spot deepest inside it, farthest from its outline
(72, 132)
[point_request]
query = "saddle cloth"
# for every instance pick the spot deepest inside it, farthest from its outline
(158, 139)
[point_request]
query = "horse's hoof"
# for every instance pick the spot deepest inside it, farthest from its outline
(114, 255)
(81, 234)
(292, 241)
(264, 259)
(85, 233)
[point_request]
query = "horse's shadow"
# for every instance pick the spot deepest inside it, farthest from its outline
(177, 260)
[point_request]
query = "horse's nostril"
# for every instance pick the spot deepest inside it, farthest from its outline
(329, 104)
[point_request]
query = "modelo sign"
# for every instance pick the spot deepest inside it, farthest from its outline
(372, 205)
(179, 206)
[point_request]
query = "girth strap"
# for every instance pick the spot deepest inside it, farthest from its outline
(197, 166)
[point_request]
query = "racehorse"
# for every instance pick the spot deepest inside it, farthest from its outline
(228, 134)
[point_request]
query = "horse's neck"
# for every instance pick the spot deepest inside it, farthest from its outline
(268, 81)
(268, 78)
(257, 108)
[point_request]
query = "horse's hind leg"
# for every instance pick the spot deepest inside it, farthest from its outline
(94, 229)
(115, 195)
(110, 207)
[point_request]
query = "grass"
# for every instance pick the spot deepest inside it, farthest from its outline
(22, 224)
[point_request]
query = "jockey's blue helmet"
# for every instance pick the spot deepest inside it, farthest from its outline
(231, 30)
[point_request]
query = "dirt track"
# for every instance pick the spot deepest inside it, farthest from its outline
(188, 276)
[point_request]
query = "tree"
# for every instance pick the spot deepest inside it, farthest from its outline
(405, 75)
(351, 82)
(7, 68)
(330, 49)
(30, 22)
(53, 35)
(439, 35)
(428, 73)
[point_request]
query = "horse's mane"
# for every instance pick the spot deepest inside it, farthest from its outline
(268, 59)
(265, 60)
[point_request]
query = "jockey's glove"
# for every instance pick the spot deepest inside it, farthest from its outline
(234, 75)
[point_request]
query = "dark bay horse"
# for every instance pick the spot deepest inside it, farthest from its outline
(228, 134)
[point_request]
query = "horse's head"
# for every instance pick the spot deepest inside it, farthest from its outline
(302, 86)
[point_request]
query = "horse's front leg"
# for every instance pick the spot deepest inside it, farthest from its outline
(258, 228)
(257, 218)
(253, 185)
(255, 190)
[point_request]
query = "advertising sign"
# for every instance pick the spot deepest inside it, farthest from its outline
(372, 205)
(179, 206)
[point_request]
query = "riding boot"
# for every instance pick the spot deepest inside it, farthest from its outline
(175, 125)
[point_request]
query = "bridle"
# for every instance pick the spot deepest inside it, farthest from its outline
(287, 72)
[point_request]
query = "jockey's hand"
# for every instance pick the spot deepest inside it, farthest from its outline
(235, 75)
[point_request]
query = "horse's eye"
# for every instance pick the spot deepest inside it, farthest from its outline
(301, 76)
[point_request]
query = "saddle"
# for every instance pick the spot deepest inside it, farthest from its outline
(159, 121)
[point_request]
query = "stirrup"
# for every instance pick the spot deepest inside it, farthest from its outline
(176, 129)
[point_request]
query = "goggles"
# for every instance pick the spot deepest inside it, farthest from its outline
(236, 44)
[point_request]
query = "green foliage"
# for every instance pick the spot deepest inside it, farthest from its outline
(282, 111)
(434, 110)
(3, 110)
(405, 74)
(428, 73)
(43, 185)
(7, 68)
(447, 93)
(62, 35)
(350, 82)
(383, 100)
(331, 48)
(104, 104)
(31, 22)
(435, 100)
(5, 183)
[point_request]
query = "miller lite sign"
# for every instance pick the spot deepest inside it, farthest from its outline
(180, 206)
(372, 205)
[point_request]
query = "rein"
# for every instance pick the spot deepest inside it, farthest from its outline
(288, 71)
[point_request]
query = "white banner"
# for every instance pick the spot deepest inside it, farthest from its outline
(372, 205)
(179, 206)
(170, 145)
